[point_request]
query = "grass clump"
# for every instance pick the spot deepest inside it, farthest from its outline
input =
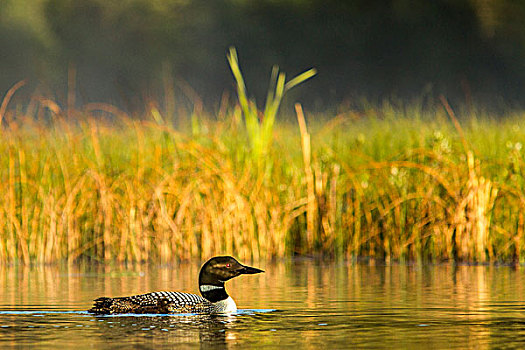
(136, 190)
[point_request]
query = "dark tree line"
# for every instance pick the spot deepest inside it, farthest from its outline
(468, 50)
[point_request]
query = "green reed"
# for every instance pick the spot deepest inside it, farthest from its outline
(260, 124)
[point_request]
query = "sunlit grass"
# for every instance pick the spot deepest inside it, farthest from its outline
(134, 190)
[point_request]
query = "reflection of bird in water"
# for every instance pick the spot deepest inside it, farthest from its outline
(211, 332)
(214, 298)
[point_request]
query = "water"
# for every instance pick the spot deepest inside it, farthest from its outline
(301, 303)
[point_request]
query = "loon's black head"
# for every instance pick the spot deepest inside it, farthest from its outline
(218, 270)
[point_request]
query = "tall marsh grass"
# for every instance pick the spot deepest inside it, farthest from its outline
(130, 189)
(392, 183)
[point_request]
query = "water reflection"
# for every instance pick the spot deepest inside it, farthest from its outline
(210, 332)
(345, 305)
(45, 328)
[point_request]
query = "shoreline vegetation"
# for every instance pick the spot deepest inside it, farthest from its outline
(396, 183)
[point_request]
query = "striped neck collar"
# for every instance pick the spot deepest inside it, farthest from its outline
(213, 292)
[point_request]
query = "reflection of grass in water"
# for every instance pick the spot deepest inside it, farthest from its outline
(394, 183)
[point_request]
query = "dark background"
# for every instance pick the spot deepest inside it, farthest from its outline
(125, 52)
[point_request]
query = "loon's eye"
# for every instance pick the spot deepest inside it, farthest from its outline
(228, 265)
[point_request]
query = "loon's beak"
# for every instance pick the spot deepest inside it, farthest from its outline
(248, 270)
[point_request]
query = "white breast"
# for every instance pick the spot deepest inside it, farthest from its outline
(226, 306)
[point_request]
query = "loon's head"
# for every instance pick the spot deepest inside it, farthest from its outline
(218, 270)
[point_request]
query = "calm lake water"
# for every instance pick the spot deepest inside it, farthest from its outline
(301, 303)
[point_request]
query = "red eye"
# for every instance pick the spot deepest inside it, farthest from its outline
(228, 265)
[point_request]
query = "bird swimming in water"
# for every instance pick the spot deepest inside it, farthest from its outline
(214, 300)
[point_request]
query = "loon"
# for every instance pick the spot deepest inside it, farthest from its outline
(214, 298)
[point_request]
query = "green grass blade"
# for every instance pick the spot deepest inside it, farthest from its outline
(300, 78)
(273, 82)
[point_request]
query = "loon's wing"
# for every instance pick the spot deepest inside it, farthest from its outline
(152, 303)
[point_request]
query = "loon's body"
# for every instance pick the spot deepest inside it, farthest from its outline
(214, 298)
